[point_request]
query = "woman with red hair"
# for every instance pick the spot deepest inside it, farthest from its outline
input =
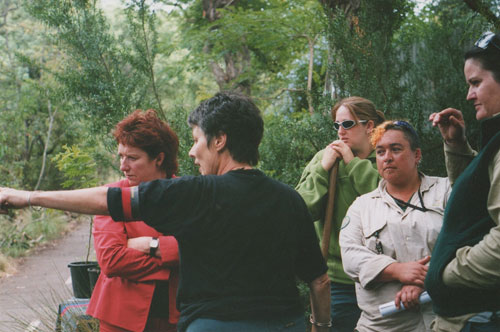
(139, 266)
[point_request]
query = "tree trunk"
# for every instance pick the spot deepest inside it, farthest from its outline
(311, 42)
(150, 61)
(46, 146)
(349, 8)
(227, 70)
(481, 8)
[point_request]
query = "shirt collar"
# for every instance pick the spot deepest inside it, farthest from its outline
(426, 183)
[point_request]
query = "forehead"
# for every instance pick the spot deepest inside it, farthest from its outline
(343, 113)
(128, 149)
(197, 132)
(392, 137)
(473, 68)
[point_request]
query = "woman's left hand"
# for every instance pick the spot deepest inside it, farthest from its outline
(343, 149)
(140, 243)
(409, 295)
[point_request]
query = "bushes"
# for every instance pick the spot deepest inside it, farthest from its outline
(290, 141)
(28, 229)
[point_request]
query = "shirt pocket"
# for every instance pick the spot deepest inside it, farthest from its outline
(373, 233)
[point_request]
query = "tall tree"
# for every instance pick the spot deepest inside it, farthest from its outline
(107, 77)
(29, 133)
(362, 50)
(484, 8)
(245, 43)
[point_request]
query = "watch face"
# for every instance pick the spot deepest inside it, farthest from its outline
(154, 243)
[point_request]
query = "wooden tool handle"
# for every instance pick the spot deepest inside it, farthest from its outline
(327, 229)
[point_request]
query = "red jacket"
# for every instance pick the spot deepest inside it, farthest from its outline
(124, 290)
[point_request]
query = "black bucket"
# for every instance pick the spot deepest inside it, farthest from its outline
(93, 276)
(80, 278)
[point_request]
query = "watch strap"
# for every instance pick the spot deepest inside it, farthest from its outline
(153, 249)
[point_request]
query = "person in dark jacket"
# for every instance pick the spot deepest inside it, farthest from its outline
(464, 276)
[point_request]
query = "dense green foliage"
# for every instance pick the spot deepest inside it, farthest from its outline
(71, 69)
(32, 228)
(77, 166)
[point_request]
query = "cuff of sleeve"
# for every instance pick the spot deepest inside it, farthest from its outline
(123, 203)
(464, 149)
(115, 204)
(320, 170)
(352, 164)
(373, 268)
(169, 249)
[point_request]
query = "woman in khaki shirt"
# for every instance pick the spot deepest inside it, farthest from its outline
(388, 235)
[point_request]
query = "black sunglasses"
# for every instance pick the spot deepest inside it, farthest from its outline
(486, 39)
(347, 124)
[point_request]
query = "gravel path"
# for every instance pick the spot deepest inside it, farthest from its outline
(29, 298)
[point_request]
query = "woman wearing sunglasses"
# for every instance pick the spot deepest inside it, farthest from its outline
(464, 274)
(388, 235)
(355, 118)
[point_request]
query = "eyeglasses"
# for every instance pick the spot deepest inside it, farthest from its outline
(486, 39)
(347, 124)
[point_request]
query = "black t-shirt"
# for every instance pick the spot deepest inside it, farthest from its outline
(243, 238)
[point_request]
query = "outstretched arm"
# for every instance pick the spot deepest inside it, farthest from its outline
(86, 201)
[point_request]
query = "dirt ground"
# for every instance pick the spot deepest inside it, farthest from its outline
(29, 298)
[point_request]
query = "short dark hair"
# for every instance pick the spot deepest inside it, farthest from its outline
(236, 116)
(144, 130)
(405, 127)
(488, 57)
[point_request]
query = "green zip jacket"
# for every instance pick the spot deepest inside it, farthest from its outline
(358, 177)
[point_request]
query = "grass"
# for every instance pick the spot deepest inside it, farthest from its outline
(47, 315)
(26, 230)
(21, 234)
(6, 266)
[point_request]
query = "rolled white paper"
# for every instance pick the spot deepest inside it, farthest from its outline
(389, 308)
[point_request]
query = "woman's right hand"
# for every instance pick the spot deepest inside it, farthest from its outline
(330, 156)
(413, 273)
(451, 125)
(409, 273)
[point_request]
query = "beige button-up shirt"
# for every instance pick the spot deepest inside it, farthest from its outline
(404, 236)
